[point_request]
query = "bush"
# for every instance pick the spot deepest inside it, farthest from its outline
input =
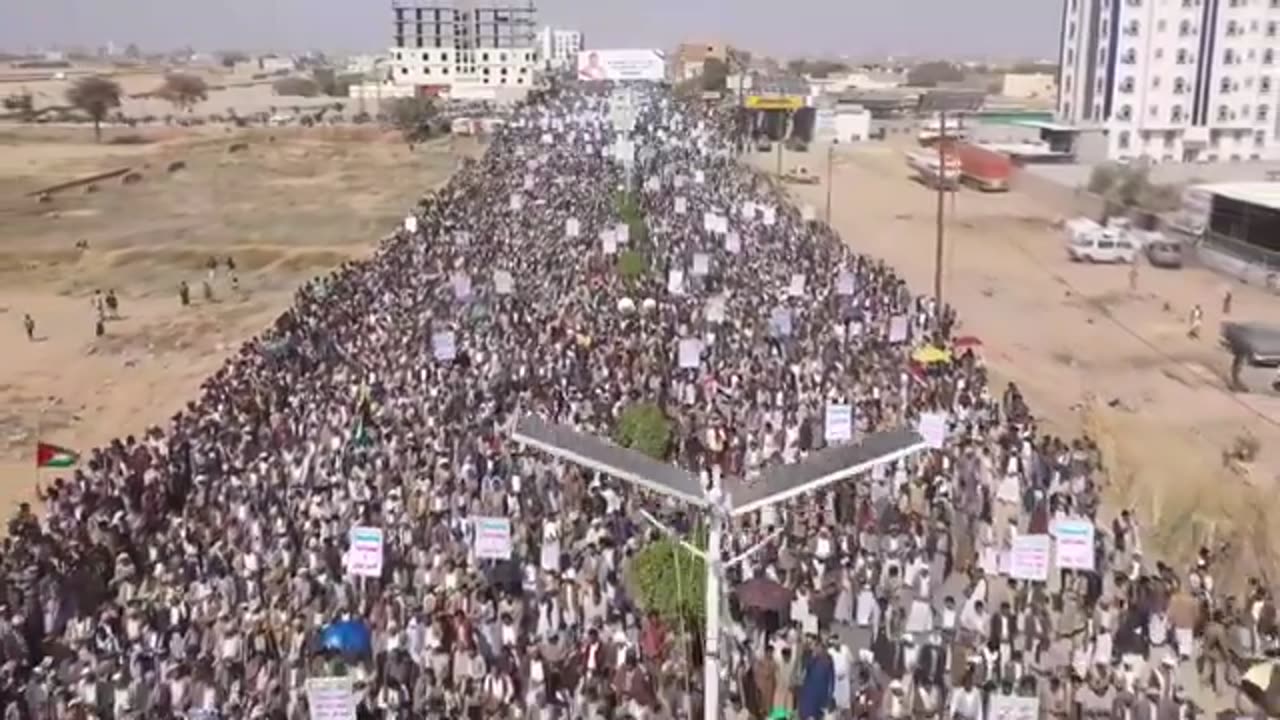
(665, 577)
(645, 428)
(632, 265)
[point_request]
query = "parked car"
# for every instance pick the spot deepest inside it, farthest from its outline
(1104, 246)
(1164, 253)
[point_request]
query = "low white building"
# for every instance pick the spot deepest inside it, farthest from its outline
(558, 49)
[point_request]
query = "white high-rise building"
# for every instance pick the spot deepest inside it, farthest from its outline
(559, 48)
(469, 49)
(1174, 80)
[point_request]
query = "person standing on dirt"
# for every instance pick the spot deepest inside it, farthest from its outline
(212, 266)
(184, 293)
(1196, 319)
(113, 304)
(30, 325)
(1133, 276)
(99, 327)
(231, 265)
(1226, 300)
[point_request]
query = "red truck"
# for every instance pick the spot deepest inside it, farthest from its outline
(983, 168)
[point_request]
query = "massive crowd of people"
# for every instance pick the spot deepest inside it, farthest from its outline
(191, 571)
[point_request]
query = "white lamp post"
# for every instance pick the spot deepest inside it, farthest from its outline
(722, 504)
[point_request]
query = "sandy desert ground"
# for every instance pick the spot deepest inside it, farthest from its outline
(285, 210)
(1091, 355)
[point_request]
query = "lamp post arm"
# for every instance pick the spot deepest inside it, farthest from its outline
(664, 529)
(753, 549)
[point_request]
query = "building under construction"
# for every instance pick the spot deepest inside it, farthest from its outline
(470, 49)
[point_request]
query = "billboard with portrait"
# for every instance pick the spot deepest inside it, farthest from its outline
(622, 65)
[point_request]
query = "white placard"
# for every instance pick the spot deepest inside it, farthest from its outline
(364, 557)
(1029, 557)
(933, 428)
(733, 243)
(808, 214)
(844, 284)
(769, 216)
(461, 286)
(709, 222)
(748, 210)
(682, 206)
(898, 329)
(701, 263)
(492, 538)
(678, 181)
(609, 243)
(444, 345)
(839, 423)
(1073, 540)
(675, 282)
(528, 182)
(622, 233)
(653, 184)
(572, 227)
(690, 353)
(503, 283)
(517, 201)
(796, 287)
(331, 698)
(1014, 707)
(715, 310)
(699, 177)
(722, 224)
(780, 322)
(411, 224)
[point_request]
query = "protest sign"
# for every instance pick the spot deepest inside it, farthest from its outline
(690, 353)
(492, 539)
(622, 233)
(1029, 558)
(796, 287)
(733, 243)
(1014, 707)
(572, 227)
(715, 310)
(808, 214)
(682, 206)
(699, 177)
(839, 423)
(898, 329)
(503, 283)
(933, 428)
(364, 557)
(1073, 544)
(411, 224)
(709, 221)
(517, 201)
(701, 263)
(331, 698)
(844, 283)
(528, 182)
(748, 210)
(609, 243)
(780, 322)
(675, 282)
(444, 346)
(770, 216)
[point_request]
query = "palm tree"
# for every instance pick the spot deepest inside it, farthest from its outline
(184, 90)
(96, 96)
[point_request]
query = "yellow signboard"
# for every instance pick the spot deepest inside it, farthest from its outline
(776, 102)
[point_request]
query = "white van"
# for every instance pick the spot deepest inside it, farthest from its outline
(1106, 245)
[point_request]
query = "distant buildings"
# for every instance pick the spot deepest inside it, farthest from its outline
(690, 57)
(558, 49)
(1173, 80)
(464, 49)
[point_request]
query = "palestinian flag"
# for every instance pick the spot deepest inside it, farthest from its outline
(55, 456)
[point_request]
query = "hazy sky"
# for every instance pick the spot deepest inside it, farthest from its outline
(781, 27)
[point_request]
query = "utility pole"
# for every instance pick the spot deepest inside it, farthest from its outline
(831, 151)
(942, 198)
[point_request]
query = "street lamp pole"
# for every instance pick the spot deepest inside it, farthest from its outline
(831, 149)
(720, 502)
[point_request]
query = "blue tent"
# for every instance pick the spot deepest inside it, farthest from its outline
(349, 637)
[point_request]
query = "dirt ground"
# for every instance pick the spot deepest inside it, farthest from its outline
(1091, 355)
(285, 209)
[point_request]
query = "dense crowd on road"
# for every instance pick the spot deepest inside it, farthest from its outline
(191, 570)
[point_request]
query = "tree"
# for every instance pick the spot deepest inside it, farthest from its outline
(816, 68)
(132, 52)
(21, 103)
(644, 427)
(229, 58)
(667, 578)
(714, 73)
(95, 96)
(184, 90)
(930, 74)
(412, 116)
(1129, 186)
(295, 87)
